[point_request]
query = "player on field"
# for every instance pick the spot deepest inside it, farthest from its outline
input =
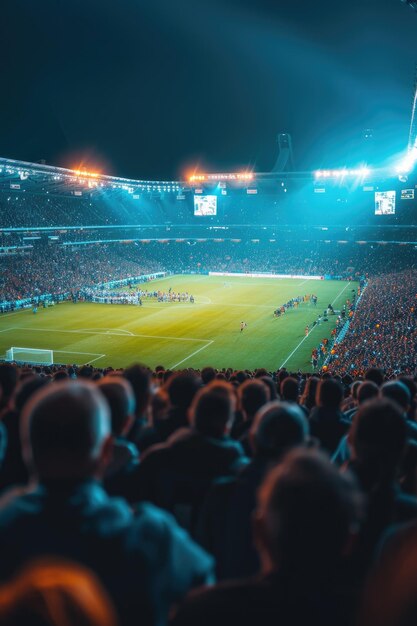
(243, 325)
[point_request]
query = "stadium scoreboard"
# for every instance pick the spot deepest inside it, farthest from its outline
(205, 205)
(385, 202)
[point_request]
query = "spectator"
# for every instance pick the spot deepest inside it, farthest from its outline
(327, 422)
(378, 441)
(66, 514)
(366, 391)
(181, 388)
(306, 515)
(226, 520)
(119, 395)
(389, 598)
(289, 389)
(140, 379)
(14, 470)
(308, 399)
(399, 393)
(8, 382)
(252, 395)
(176, 475)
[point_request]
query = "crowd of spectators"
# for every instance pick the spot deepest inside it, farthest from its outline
(383, 328)
(50, 268)
(55, 270)
(20, 210)
(201, 497)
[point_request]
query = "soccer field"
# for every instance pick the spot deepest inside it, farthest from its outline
(179, 335)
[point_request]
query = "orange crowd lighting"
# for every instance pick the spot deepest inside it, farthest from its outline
(86, 174)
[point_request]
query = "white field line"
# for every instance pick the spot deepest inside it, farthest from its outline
(98, 355)
(107, 331)
(5, 330)
(90, 332)
(192, 354)
(305, 337)
(77, 352)
(96, 359)
(297, 346)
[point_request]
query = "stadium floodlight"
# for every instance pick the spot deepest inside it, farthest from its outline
(408, 162)
(342, 172)
(221, 176)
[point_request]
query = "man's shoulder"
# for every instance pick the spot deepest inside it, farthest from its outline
(90, 503)
(18, 501)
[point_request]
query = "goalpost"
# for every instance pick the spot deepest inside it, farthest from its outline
(30, 355)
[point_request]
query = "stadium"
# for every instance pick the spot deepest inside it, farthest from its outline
(189, 261)
(208, 314)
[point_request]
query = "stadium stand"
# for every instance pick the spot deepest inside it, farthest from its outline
(295, 490)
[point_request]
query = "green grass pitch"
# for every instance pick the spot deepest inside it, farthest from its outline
(180, 335)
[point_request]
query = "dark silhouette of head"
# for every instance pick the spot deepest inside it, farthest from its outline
(389, 599)
(378, 437)
(140, 379)
(272, 386)
(376, 375)
(329, 394)
(278, 427)
(366, 391)
(212, 410)
(66, 432)
(289, 389)
(8, 382)
(309, 395)
(306, 513)
(208, 374)
(181, 388)
(398, 392)
(120, 397)
(253, 394)
(86, 372)
(26, 390)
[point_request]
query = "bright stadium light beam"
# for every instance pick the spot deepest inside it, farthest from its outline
(408, 162)
(239, 176)
(361, 172)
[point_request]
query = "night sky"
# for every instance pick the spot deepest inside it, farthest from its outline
(149, 88)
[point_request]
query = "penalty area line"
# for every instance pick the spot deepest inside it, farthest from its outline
(192, 354)
(106, 333)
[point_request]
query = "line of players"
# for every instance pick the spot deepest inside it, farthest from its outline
(295, 302)
(135, 297)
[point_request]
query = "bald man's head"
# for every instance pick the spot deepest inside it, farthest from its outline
(66, 431)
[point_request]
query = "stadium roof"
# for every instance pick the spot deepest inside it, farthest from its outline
(41, 178)
(16, 175)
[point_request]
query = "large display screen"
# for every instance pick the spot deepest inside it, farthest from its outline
(205, 205)
(384, 202)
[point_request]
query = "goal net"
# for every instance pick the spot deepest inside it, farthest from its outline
(30, 355)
